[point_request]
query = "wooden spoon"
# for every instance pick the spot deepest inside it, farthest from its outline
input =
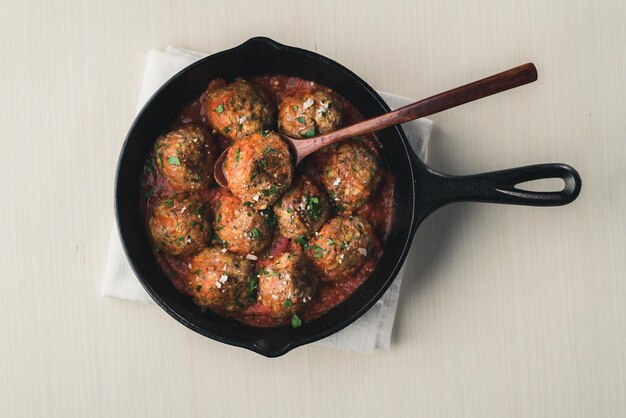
(503, 81)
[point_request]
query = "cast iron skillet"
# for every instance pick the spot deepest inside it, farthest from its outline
(419, 190)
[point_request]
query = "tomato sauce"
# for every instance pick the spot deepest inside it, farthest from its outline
(378, 211)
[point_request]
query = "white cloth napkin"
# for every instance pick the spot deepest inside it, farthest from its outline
(372, 330)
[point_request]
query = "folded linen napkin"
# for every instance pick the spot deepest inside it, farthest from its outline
(372, 330)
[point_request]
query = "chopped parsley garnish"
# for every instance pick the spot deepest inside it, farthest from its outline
(271, 191)
(227, 129)
(252, 286)
(301, 119)
(270, 218)
(295, 321)
(310, 132)
(149, 192)
(331, 242)
(263, 271)
(169, 202)
(287, 303)
(173, 161)
(262, 163)
(219, 217)
(201, 210)
(343, 246)
(193, 223)
(312, 207)
(255, 173)
(220, 108)
(237, 156)
(218, 240)
(197, 272)
(247, 203)
(150, 165)
(198, 288)
(318, 252)
(256, 234)
(295, 108)
(267, 150)
(265, 133)
(301, 240)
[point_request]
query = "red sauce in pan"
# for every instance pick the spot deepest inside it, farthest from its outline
(378, 211)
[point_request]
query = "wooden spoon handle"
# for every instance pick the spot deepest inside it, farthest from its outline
(503, 81)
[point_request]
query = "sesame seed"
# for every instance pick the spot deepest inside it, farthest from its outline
(218, 284)
(223, 278)
(337, 181)
(308, 103)
(362, 251)
(251, 257)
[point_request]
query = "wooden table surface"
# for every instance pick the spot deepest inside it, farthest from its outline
(509, 311)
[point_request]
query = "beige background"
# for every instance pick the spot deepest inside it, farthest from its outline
(509, 311)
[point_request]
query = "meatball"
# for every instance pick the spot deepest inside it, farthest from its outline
(185, 157)
(302, 210)
(341, 247)
(220, 281)
(350, 175)
(178, 225)
(259, 168)
(306, 114)
(240, 228)
(237, 109)
(286, 284)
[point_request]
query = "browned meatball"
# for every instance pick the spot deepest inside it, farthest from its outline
(259, 169)
(238, 109)
(341, 247)
(350, 175)
(178, 225)
(302, 210)
(286, 284)
(185, 157)
(240, 228)
(306, 114)
(220, 281)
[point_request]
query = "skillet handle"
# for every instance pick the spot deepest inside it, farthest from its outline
(500, 186)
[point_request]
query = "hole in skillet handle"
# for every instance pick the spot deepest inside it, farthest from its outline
(502, 186)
